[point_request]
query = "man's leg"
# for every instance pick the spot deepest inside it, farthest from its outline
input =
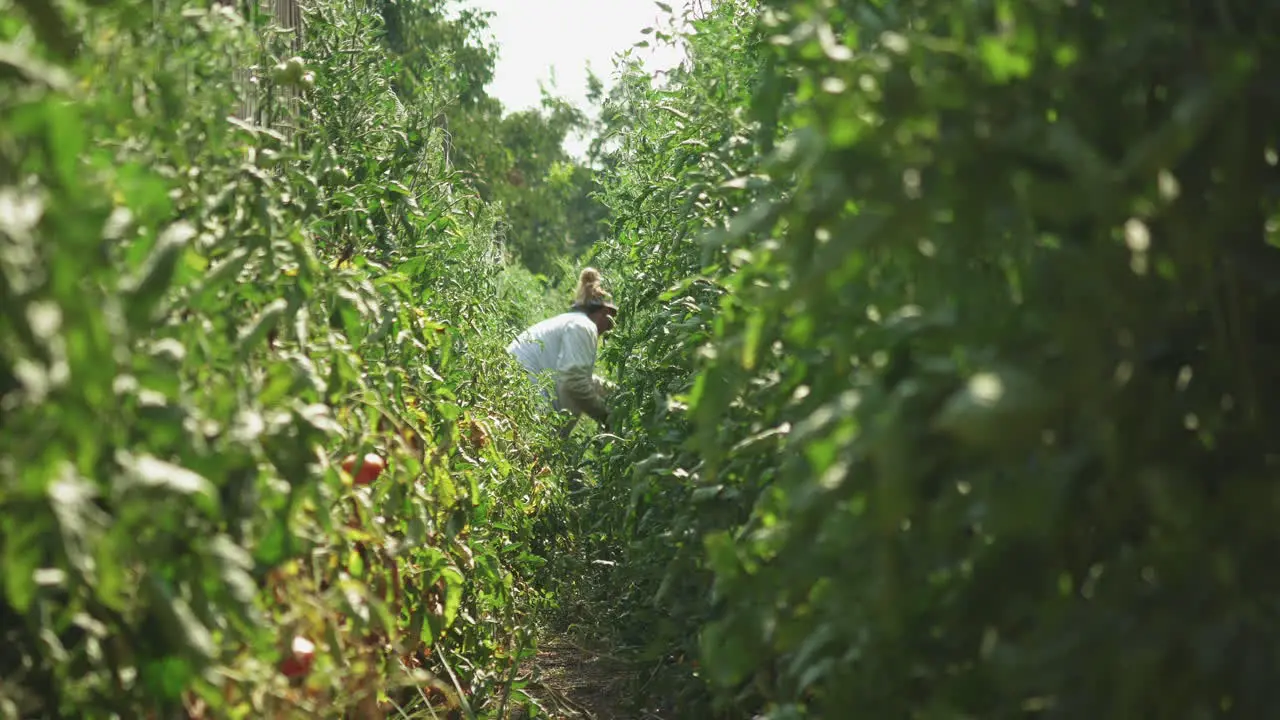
(567, 429)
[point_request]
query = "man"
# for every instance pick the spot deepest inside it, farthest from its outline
(565, 347)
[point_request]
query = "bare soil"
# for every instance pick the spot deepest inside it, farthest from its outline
(571, 682)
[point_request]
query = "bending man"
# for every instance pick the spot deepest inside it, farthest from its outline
(565, 347)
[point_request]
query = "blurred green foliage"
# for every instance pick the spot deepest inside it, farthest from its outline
(949, 337)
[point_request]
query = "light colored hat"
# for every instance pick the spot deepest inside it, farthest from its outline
(591, 296)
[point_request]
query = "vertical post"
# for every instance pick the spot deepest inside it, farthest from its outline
(285, 14)
(288, 16)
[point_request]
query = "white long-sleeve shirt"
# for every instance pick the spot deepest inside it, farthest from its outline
(564, 346)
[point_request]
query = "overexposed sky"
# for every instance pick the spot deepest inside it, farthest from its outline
(537, 38)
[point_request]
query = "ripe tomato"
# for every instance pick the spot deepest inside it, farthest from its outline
(370, 468)
(298, 662)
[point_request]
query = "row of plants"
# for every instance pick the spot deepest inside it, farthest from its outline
(943, 362)
(263, 455)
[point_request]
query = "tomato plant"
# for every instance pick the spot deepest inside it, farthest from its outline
(931, 318)
(212, 300)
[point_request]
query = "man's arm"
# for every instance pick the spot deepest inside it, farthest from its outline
(580, 392)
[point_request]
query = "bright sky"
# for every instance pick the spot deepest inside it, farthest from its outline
(537, 38)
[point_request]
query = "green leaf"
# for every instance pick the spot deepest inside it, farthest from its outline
(148, 473)
(79, 520)
(1002, 61)
(234, 567)
(454, 582)
(16, 61)
(994, 409)
(22, 557)
(181, 631)
(144, 290)
(273, 544)
(167, 677)
(726, 654)
(223, 273)
(257, 331)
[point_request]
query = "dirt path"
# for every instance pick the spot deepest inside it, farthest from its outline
(575, 683)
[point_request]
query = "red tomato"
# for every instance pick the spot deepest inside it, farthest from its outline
(298, 662)
(369, 470)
